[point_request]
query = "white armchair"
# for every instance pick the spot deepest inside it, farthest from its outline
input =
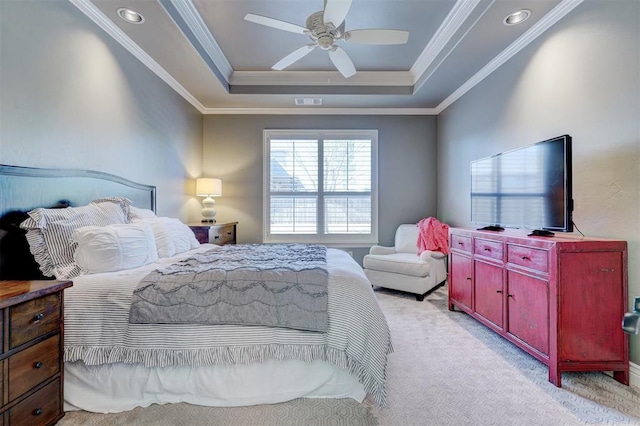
(400, 268)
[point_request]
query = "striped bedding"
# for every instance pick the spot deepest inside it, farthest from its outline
(97, 329)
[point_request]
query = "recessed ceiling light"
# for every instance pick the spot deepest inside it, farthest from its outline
(517, 17)
(130, 15)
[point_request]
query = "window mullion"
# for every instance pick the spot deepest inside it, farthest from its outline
(320, 224)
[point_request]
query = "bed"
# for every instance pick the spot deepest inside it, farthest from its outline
(114, 365)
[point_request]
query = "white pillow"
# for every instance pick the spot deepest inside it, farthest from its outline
(114, 247)
(172, 236)
(136, 213)
(50, 232)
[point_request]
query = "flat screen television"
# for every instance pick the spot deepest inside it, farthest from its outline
(528, 188)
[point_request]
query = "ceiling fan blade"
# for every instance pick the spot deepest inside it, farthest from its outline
(342, 62)
(275, 23)
(294, 56)
(377, 36)
(335, 11)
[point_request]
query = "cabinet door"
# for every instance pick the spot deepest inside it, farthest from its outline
(528, 310)
(592, 305)
(461, 279)
(488, 292)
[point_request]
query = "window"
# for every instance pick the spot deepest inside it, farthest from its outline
(321, 186)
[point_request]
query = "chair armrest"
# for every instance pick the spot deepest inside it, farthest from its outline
(381, 250)
(427, 254)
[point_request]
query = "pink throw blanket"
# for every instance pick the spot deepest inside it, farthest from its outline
(433, 235)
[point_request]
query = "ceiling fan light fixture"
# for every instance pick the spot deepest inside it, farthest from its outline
(517, 17)
(308, 101)
(130, 15)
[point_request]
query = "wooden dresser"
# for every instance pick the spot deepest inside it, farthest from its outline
(559, 298)
(215, 233)
(32, 352)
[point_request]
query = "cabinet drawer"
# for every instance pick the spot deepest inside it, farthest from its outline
(41, 408)
(492, 249)
(33, 365)
(223, 234)
(462, 243)
(531, 258)
(34, 318)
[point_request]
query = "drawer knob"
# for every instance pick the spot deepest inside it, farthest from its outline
(37, 411)
(38, 364)
(38, 317)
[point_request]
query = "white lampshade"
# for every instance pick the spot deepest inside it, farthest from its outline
(208, 187)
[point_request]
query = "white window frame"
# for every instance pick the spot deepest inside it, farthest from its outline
(333, 240)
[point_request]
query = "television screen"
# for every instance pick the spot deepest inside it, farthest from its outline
(527, 188)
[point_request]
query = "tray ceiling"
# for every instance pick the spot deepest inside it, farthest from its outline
(221, 63)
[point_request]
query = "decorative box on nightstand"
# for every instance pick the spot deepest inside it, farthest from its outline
(215, 233)
(31, 322)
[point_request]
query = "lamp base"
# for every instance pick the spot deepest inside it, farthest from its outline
(208, 212)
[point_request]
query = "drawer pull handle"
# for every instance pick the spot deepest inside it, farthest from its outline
(509, 295)
(525, 257)
(460, 243)
(37, 411)
(38, 364)
(499, 291)
(469, 278)
(38, 318)
(487, 249)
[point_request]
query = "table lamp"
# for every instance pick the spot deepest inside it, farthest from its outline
(208, 187)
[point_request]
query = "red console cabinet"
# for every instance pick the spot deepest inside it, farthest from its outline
(559, 298)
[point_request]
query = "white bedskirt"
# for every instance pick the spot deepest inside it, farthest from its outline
(111, 388)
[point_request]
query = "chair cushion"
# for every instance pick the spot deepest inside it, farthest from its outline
(399, 263)
(407, 238)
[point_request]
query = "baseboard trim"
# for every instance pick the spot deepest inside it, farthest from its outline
(634, 375)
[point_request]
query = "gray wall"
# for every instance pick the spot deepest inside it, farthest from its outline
(71, 97)
(233, 148)
(580, 78)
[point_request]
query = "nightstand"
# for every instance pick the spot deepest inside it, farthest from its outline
(31, 351)
(215, 233)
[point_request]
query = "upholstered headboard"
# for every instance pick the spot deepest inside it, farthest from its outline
(25, 188)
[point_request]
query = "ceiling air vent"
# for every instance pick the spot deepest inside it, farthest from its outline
(308, 101)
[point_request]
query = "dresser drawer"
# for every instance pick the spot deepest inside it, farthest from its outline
(461, 243)
(528, 257)
(222, 235)
(492, 249)
(34, 318)
(41, 408)
(33, 365)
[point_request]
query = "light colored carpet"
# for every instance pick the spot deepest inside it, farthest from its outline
(446, 369)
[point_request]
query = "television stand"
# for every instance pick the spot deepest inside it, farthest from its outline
(540, 233)
(491, 228)
(560, 299)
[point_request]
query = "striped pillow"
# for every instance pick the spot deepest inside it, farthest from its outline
(50, 232)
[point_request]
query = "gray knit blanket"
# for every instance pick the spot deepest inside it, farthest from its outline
(279, 285)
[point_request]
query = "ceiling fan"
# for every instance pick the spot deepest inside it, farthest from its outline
(326, 27)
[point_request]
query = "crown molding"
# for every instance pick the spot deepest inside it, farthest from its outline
(320, 78)
(196, 24)
(557, 13)
(96, 15)
(319, 111)
(451, 24)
